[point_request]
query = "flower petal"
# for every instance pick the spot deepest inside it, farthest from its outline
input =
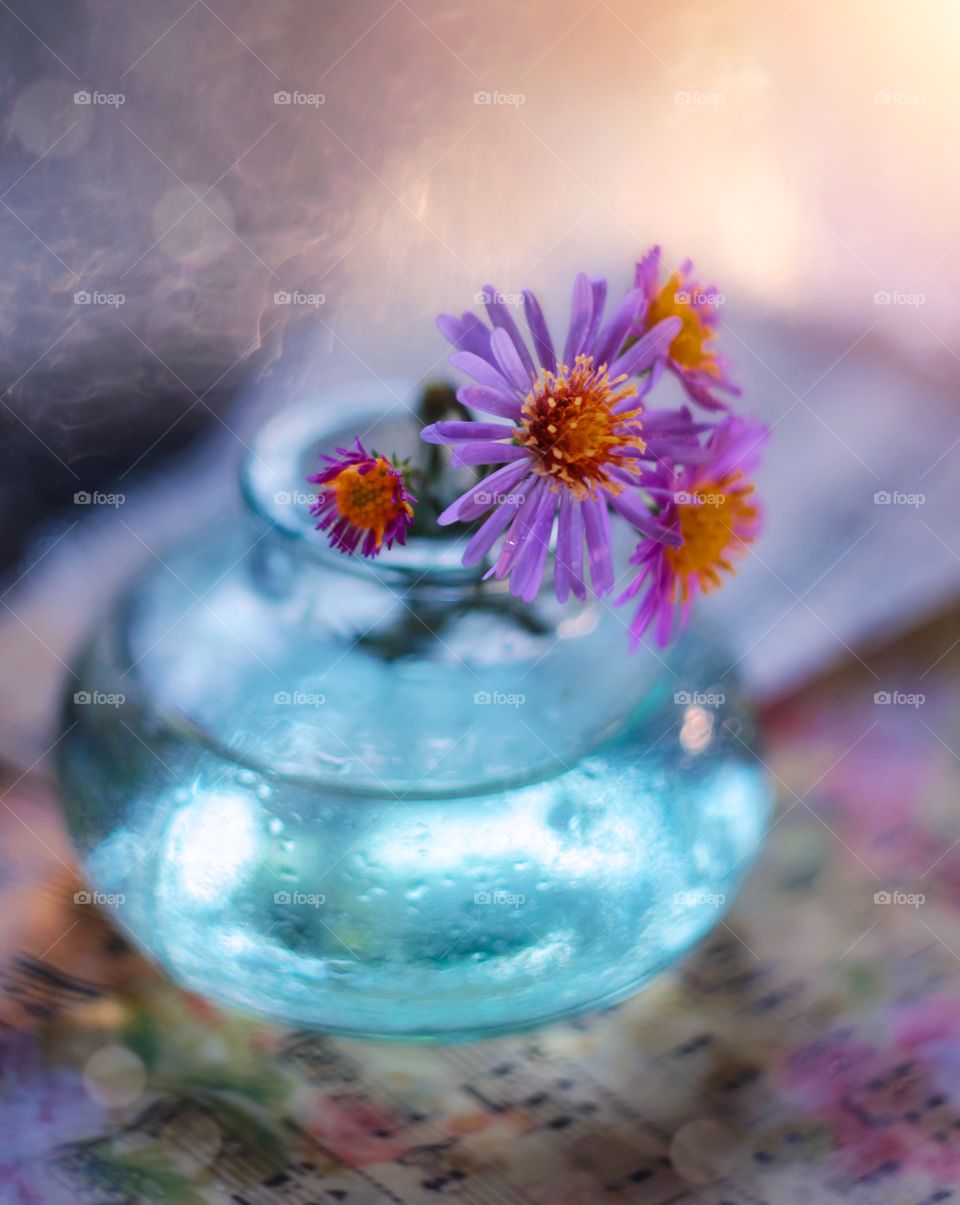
(581, 310)
(568, 571)
(652, 379)
(488, 451)
(527, 575)
(499, 313)
(648, 273)
(596, 522)
(459, 432)
(540, 331)
(466, 334)
(489, 401)
(631, 506)
(509, 361)
(599, 287)
(674, 422)
(627, 314)
(516, 536)
(699, 388)
(647, 348)
(646, 557)
(681, 450)
(481, 371)
(737, 443)
(480, 497)
(670, 619)
(488, 532)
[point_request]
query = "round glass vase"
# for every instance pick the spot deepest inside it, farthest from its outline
(384, 798)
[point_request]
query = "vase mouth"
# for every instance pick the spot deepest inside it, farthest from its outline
(286, 452)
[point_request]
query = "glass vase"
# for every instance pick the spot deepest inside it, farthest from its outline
(384, 798)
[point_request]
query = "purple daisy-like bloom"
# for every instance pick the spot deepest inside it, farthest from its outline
(709, 505)
(569, 436)
(364, 498)
(691, 356)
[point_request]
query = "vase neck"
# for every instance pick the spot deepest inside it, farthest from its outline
(287, 451)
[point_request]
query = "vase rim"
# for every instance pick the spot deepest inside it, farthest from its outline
(285, 450)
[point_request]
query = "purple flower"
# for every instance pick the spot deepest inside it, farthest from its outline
(709, 505)
(569, 436)
(701, 371)
(364, 498)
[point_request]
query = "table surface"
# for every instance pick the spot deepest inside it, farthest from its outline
(807, 1051)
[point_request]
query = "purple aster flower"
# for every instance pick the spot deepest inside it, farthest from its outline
(709, 505)
(569, 436)
(701, 371)
(364, 498)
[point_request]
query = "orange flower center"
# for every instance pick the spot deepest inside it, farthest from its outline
(689, 346)
(717, 522)
(371, 500)
(568, 423)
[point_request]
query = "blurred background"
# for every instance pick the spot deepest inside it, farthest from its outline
(209, 211)
(206, 215)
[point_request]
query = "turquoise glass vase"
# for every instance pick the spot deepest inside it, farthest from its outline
(384, 798)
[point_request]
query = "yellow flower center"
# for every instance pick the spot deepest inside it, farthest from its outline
(716, 524)
(689, 346)
(370, 500)
(569, 425)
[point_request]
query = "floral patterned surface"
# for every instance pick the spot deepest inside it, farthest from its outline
(808, 1050)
